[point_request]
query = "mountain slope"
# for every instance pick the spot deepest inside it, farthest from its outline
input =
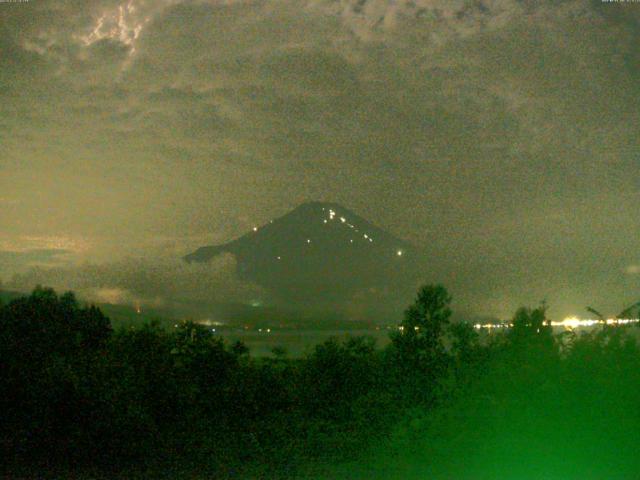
(320, 250)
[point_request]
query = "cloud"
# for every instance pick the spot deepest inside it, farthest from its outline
(154, 282)
(499, 134)
(16, 261)
(632, 270)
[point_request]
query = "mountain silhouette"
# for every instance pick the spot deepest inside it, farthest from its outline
(320, 251)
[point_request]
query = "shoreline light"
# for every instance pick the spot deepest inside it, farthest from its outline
(568, 323)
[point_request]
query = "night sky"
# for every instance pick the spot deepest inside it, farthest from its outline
(499, 136)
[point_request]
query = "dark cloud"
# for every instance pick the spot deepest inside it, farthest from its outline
(500, 135)
(16, 261)
(164, 282)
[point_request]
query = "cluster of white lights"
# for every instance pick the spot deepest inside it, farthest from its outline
(366, 236)
(574, 322)
(401, 328)
(332, 216)
(568, 323)
(491, 326)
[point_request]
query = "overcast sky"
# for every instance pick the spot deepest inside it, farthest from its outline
(501, 136)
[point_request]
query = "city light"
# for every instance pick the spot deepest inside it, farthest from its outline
(568, 323)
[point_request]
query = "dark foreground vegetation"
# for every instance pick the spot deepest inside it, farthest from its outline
(79, 400)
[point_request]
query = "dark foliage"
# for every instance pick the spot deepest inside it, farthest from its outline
(81, 399)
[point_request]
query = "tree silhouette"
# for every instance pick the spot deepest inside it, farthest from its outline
(531, 331)
(48, 343)
(464, 341)
(626, 313)
(421, 331)
(419, 343)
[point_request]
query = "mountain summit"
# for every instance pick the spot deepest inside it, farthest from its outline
(320, 250)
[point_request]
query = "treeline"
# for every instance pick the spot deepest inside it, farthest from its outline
(439, 402)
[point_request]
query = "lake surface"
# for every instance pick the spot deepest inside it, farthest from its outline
(297, 342)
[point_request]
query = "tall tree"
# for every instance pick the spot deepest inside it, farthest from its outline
(419, 343)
